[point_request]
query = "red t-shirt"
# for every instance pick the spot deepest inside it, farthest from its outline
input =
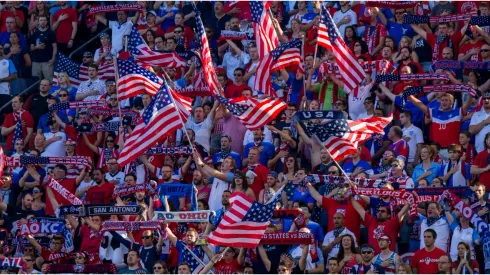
(100, 194)
(481, 161)
(455, 38)
(6, 14)
(55, 257)
(427, 262)
(377, 229)
(467, 47)
(63, 32)
(70, 185)
(81, 148)
(260, 180)
(223, 267)
(234, 91)
(157, 29)
(90, 242)
(10, 121)
(352, 218)
(188, 35)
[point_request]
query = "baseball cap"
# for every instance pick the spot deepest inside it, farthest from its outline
(104, 35)
(273, 174)
(88, 54)
(151, 12)
(111, 81)
(386, 238)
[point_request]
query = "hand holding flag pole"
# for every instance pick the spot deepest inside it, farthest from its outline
(116, 71)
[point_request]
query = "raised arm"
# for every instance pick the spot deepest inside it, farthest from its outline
(303, 135)
(215, 173)
(92, 147)
(358, 208)
(317, 196)
(419, 104)
(419, 31)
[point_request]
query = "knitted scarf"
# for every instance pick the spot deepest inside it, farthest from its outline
(287, 238)
(81, 268)
(460, 65)
(439, 43)
(424, 19)
(130, 226)
(115, 8)
(391, 4)
(431, 221)
(62, 191)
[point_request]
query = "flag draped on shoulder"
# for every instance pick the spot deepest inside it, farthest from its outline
(265, 34)
(341, 136)
(207, 62)
(162, 116)
(254, 113)
(286, 54)
(330, 38)
(134, 80)
(144, 55)
(78, 73)
(245, 223)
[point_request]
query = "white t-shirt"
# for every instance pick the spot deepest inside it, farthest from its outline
(249, 136)
(217, 189)
(57, 148)
(118, 177)
(356, 103)
(329, 237)
(231, 63)
(480, 136)
(6, 68)
(202, 131)
(442, 229)
(462, 235)
(118, 32)
(339, 15)
(416, 137)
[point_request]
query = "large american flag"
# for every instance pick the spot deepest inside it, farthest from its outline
(18, 131)
(159, 120)
(342, 137)
(285, 55)
(207, 62)
(134, 80)
(144, 55)
(254, 113)
(78, 73)
(265, 34)
(245, 223)
(330, 38)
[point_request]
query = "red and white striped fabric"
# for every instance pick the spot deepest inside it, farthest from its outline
(134, 80)
(330, 38)
(105, 72)
(265, 33)
(288, 58)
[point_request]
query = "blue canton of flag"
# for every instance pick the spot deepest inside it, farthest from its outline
(18, 132)
(236, 109)
(189, 258)
(276, 53)
(256, 7)
(64, 64)
(127, 67)
(158, 102)
(135, 40)
(261, 212)
(337, 128)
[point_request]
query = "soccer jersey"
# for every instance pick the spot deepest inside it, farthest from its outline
(445, 125)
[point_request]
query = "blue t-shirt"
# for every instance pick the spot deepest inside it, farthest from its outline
(173, 199)
(417, 114)
(265, 155)
(349, 167)
(302, 196)
(217, 159)
(316, 230)
(43, 121)
(72, 93)
(295, 86)
(399, 30)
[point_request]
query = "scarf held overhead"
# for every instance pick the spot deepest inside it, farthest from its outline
(130, 226)
(122, 191)
(116, 8)
(287, 238)
(391, 4)
(160, 150)
(111, 112)
(105, 210)
(62, 191)
(77, 104)
(409, 197)
(24, 160)
(184, 216)
(81, 268)
(180, 190)
(461, 65)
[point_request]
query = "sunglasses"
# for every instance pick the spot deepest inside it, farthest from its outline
(484, 50)
(367, 252)
(177, 31)
(146, 237)
(109, 140)
(394, 165)
(237, 74)
(62, 95)
(157, 267)
(35, 191)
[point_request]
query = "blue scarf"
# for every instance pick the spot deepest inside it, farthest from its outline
(180, 190)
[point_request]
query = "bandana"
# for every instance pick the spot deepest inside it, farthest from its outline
(431, 221)
(337, 231)
(225, 152)
(252, 167)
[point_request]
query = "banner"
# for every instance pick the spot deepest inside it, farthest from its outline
(116, 8)
(235, 35)
(41, 226)
(185, 216)
(180, 190)
(160, 150)
(81, 268)
(287, 238)
(62, 191)
(461, 191)
(128, 190)
(466, 211)
(409, 197)
(112, 112)
(130, 226)
(107, 210)
(461, 65)
(15, 262)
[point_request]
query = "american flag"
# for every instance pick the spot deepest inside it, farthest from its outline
(194, 264)
(25, 160)
(265, 34)
(144, 55)
(134, 80)
(330, 38)
(78, 73)
(254, 113)
(159, 119)
(207, 62)
(285, 55)
(342, 137)
(245, 223)
(18, 131)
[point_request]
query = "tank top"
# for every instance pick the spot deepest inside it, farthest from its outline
(389, 269)
(347, 268)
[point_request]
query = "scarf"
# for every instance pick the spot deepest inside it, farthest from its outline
(391, 4)
(236, 35)
(461, 65)
(287, 238)
(180, 190)
(439, 40)
(18, 135)
(193, 91)
(431, 221)
(123, 191)
(105, 210)
(454, 201)
(115, 8)
(371, 36)
(469, 153)
(111, 112)
(444, 88)
(130, 226)
(409, 197)
(337, 231)
(184, 216)
(225, 152)
(16, 262)
(78, 104)
(424, 19)
(81, 268)
(409, 77)
(112, 126)
(62, 191)
(68, 160)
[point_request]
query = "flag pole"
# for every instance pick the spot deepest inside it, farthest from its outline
(178, 112)
(197, 258)
(314, 57)
(116, 75)
(305, 71)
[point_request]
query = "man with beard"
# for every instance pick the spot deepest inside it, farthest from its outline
(270, 189)
(406, 60)
(203, 191)
(384, 167)
(367, 266)
(331, 242)
(202, 125)
(199, 147)
(226, 151)
(175, 202)
(21, 212)
(133, 261)
(326, 163)
(387, 259)
(339, 203)
(383, 224)
(88, 58)
(260, 170)
(102, 192)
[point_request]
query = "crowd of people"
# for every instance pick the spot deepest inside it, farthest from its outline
(437, 142)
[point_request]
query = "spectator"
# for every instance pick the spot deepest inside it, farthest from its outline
(5, 36)
(43, 50)
(9, 11)
(19, 56)
(425, 260)
(92, 88)
(64, 22)
(331, 242)
(119, 28)
(481, 165)
(18, 116)
(104, 51)
(344, 17)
